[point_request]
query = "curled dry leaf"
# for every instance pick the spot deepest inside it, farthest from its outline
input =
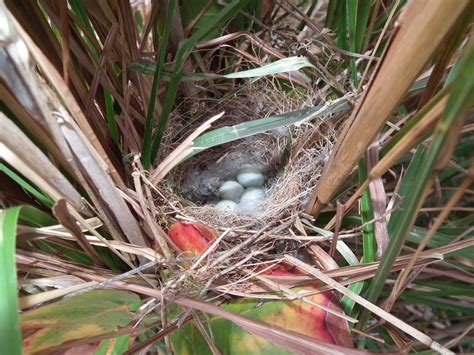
(194, 238)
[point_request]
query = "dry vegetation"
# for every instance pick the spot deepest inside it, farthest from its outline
(362, 110)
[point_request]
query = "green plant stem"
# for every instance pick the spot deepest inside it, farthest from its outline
(148, 134)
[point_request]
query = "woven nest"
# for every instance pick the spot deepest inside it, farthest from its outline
(291, 157)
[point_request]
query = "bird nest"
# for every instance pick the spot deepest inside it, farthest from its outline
(291, 158)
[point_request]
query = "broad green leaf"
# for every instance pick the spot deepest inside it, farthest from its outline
(296, 316)
(284, 65)
(10, 337)
(246, 129)
(89, 314)
(117, 345)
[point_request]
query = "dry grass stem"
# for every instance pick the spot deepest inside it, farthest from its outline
(415, 333)
(422, 26)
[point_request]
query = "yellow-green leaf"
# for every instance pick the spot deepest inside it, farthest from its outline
(86, 315)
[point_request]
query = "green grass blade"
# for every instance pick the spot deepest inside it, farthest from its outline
(78, 9)
(413, 121)
(341, 25)
(382, 19)
(109, 109)
(351, 14)
(367, 215)
(44, 199)
(443, 303)
(309, 12)
(140, 25)
(346, 253)
(148, 67)
(363, 13)
(73, 255)
(368, 240)
(231, 133)
(148, 134)
(284, 65)
(184, 50)
(348, 304)
(401, 221)
(280, 66)
(394, 245)
(10, 337)
(33, 217)
(330, 15)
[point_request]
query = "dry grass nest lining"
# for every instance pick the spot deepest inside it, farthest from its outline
(305, 147)
(287, 193)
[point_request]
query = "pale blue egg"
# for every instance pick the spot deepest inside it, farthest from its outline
(250, 176)
(251, 200)
(253, 194)
(227, 205)
(231, 190)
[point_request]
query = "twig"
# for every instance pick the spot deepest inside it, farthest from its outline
(108, 282)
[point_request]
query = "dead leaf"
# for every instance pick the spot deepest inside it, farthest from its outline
(193, 238)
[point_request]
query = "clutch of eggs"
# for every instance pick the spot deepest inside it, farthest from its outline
(244, 195)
